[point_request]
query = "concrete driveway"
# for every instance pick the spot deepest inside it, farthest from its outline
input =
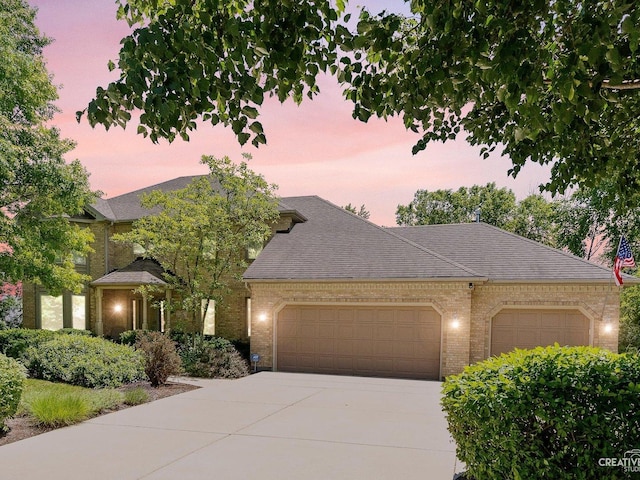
(266, 426)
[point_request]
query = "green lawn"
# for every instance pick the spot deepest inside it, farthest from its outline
(58, 404)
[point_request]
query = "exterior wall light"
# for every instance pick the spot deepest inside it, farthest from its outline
(608, 328)
(262, 317)
(455, 324)
(117, 308)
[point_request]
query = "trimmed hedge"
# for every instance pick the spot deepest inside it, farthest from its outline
(12, 376)
(85, 361)
(549, 413)
(15, 342)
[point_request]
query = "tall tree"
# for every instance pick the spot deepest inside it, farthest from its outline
(548, 81)
(38, 190)
(590, 227)
(533, 217)
(494, 205)
(202, 231)
(361, 212)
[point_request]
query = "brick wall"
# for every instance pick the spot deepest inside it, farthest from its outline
(451, 300)
(472, 308)
(28, 305)
(594, 301)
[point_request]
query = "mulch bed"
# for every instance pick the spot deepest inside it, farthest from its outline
(22, 427)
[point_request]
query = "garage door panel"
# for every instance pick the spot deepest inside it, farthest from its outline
(304, 345)
(345, 346)
(385, 341)
(287, 328)
(383, 332)
(363, 330)
(575, 336)
(326, 346)
(406, 333)
(305, 361)
(326, 330)
(532, 328)
(384, 348)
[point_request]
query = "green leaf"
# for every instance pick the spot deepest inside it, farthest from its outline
(243, 137)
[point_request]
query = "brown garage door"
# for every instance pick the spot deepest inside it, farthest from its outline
(401, 342)
(533, 328)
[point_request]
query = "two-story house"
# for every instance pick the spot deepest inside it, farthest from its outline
(334, 293)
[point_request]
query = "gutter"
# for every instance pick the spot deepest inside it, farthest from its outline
(470, 280)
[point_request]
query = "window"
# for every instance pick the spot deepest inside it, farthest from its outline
(79, 259)
(209, 317)
(51, 311)
(78, 312)
(64, 311)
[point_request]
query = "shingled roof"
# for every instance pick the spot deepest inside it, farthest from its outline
(142, 271)
(338, 245)
(501, 255)
(126, 207)
(335, 244)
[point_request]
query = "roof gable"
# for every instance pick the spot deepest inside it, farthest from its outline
(336, 244)
(142, 271)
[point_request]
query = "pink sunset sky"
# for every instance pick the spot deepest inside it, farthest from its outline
(313, 149)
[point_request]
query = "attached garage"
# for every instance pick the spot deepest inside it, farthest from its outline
(384, 341)
(333, 293)
(538, 327)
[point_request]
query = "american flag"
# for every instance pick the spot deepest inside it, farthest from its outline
(624, 258)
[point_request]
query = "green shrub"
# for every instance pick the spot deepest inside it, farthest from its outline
(160, 357)
(85, 361)
(129, 337)
(15, 341)
(549, 413)
(136, 396)
(74, 331)
(212, 358)
(12, 376)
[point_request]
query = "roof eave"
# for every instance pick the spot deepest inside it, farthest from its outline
(368, 280)
(126, 284)
(295, 215)
(575, 281)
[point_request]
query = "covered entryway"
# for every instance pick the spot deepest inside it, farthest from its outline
(530, 328)
(381, 341)
(119, 307)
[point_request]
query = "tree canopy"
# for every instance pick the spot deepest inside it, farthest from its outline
(580, 223)
(38, 190)
(494, 205)
(361, 212)
(202, 231)
(548, 81)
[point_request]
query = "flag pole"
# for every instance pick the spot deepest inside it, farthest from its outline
(606, 297)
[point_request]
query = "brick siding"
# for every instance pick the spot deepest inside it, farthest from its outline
(473, 308)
